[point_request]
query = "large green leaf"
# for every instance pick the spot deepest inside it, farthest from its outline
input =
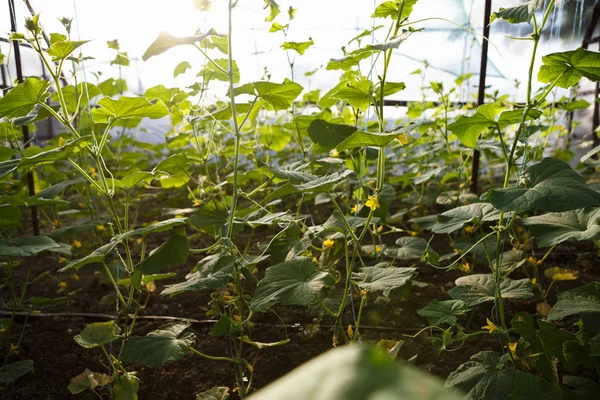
(360, 138)
(545, 343)
(126, 387)
(356, 93)
(157, 227)
(128, 107)
(95, 256)
(88, 380)
(172, 253)
(394, 9)
(27, 246)
(529, 386)
(294, 282)
(211, 72)
(553, 228)
(63, 152)
(11, 372)
(279, 96)
(23, 98)
(8, 166)
(382, 279)
(480, 288)
(160, 346)
(355, 373)
(166, 41)
(213, 272)
(551, 185)
(62, 49)
(485, 376)
(521, 13)
(97, 334)
(584, 299)
(328, 135)
(489, 115)
(455, 219)
(409, 248)
(567, 68)
(324, 183)
(440, 312)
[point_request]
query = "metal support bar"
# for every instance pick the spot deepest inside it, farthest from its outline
(587, 40)
(30, 182)
(481, 94)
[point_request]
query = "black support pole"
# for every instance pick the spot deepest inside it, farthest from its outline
(30, 183)
(481, 94)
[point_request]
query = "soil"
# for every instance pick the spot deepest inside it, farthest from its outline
(48, 340)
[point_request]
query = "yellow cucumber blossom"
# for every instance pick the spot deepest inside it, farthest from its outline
(77, 244)
(513, 348)
(100, 228)
(403, 138)
(334, 153)
(328, 244)
(372, 203)
(490, 326)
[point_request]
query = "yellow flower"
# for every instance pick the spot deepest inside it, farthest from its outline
(100, 228)
(413, 233)
(139, 241)
(372, 203)
(315, 260)
(62, 260)
(237, 318)
(61, 142)
(403, 138)
(513, 348)
(363, 292)
(81, 205)
(334, 153)
(62, 285)
(380, 229)
(328, 244)
(354, 208)
(92, 172)
(76, 244)
(350, 331)
(533, 261)
(378, 249)
(196, 203)
(490, 326)
(466, 267)
(75, 276)
(534, 281)
(469, 228)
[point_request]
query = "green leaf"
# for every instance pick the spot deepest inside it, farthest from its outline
(453, 220)
(112, 87)
(11, 372)
(63, 49)
(355, 373)
(216, 393)
(584, 299)
(95, 256)
(582, 388)
(128, 107)
(518, 14)
(279, 96)
(393, 43)
(324, 183)
(483, 377)
(468, 129)
(346, 63)
(169, 96)
(126, 387)
(166, 41)
(63, 152)
(294, 282)
(172, 253)
(27, 246)
(23, 98)
(529, 386)
(181, 68)
(9, 215)
(410, 248)
(553, 228)
(160, 346)
(545, 343)
(273, 10)
(211, 72)
(356, 93)
(157, 227)
(382, 279)
(213, 272)
(394, 8)
(579, 104)
(6, 167)
(567, 68)
(299, 47)
(440, 312)
(327, 135)
(359, 139)
(88, 380)
(480, 288)
(551, 185)
(389, 89)
(97, 334)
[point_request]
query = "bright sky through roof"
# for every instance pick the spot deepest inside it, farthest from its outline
(330, 23)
